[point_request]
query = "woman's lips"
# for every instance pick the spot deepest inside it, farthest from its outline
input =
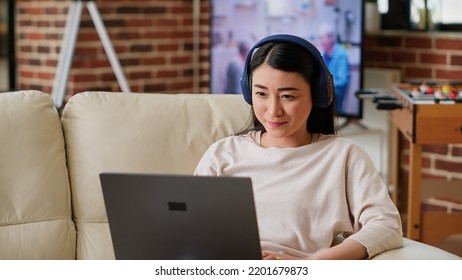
(276, 124)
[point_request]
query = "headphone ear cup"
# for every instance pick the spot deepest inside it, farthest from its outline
(326, 89)
(330, 93)
(246, 87)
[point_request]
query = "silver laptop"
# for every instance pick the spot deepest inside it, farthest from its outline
(167, 217)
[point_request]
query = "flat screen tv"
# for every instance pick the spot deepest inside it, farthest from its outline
(236, 25)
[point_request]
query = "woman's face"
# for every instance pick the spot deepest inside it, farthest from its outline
(282, 103)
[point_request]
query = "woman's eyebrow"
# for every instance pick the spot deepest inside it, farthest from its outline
(288, 89)
(279, 89)
(260, 86)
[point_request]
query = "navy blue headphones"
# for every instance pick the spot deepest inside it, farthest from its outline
(326, 88)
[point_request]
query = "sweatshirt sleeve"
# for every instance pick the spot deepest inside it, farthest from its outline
(376, 220)
(205, 167)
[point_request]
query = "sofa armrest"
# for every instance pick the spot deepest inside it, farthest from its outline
(414, 250)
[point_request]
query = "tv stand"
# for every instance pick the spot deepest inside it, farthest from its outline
(350, 122)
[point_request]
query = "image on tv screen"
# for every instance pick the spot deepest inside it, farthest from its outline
(334, 27)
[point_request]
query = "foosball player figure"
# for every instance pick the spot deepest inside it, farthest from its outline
(424, 88)
(453, 93)
(415, 92)
(446, 89)
(438, 93)
(430, 91)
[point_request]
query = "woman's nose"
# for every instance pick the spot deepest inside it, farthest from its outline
(274, 106)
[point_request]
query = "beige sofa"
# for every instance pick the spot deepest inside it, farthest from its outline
(51, 205)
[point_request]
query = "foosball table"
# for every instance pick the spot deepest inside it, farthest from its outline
(425, 113)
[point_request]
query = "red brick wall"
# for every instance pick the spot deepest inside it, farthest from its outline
(153, 41)
(419, 55)
(422, 56)
(438, 161)
(155, 44)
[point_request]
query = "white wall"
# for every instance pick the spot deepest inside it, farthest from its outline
(375, 138)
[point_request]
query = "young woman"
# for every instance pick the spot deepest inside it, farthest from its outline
(310, 185)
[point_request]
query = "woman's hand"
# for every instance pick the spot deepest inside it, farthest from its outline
(347, 250)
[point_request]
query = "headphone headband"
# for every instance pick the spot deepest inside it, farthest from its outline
(326, 89)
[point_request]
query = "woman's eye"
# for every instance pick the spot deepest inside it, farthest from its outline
(259, 93)
(287, 96)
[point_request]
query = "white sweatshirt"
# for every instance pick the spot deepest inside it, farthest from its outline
(306, 196)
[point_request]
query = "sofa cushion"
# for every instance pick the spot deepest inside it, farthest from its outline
(141, 133)
(414, 250)
(35, 203)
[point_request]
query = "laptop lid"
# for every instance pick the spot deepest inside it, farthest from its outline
(154, 216)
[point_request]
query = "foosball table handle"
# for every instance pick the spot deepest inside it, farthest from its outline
(389, 105)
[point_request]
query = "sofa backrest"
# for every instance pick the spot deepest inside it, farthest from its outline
(35, 201)
(141, 133)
